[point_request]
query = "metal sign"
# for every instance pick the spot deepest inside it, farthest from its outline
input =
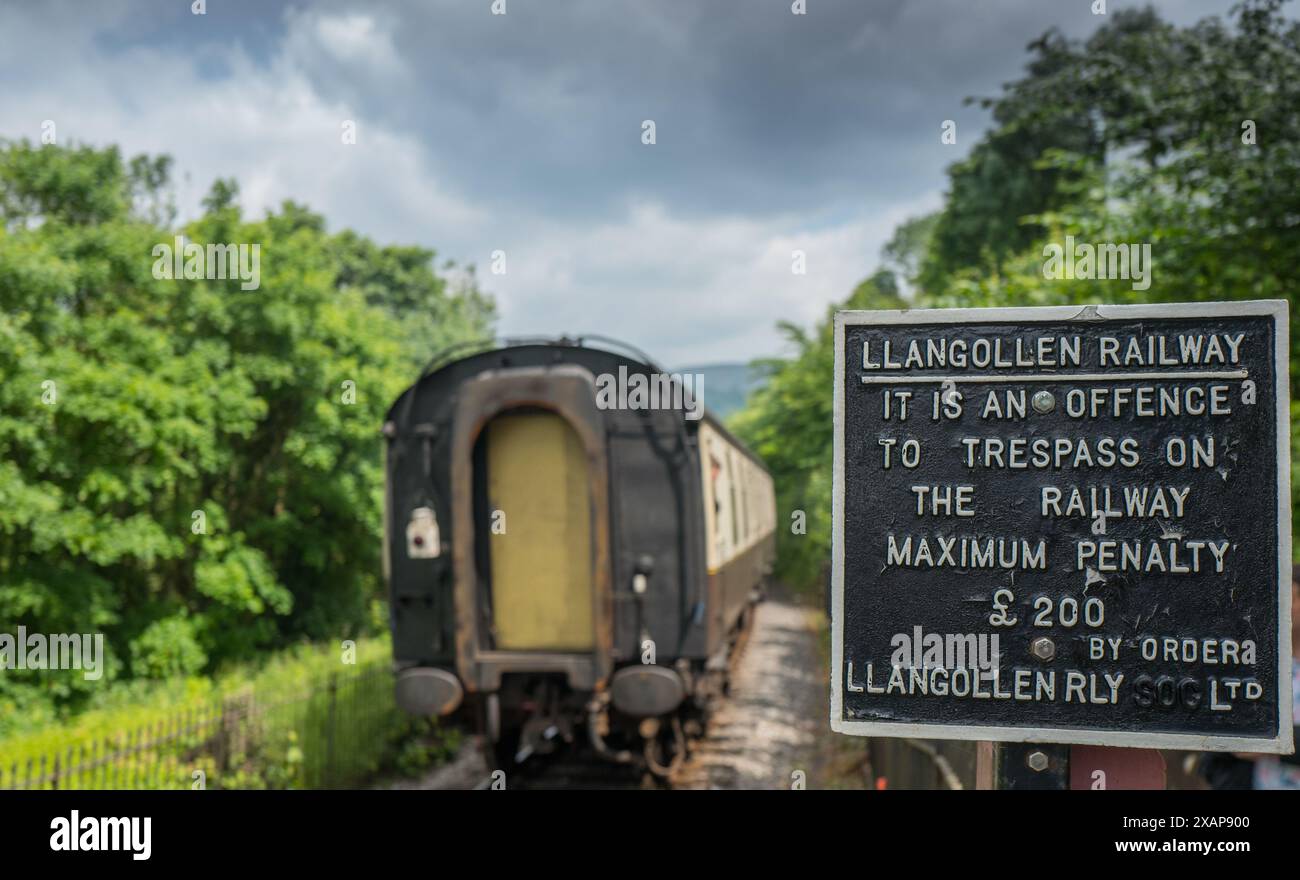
(1064, 525)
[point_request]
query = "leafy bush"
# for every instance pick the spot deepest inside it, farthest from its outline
(192, 466)
(167, 647)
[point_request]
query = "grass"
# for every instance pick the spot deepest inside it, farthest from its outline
(302, 719)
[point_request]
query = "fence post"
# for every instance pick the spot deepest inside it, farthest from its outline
(232, 730)
(329, 730)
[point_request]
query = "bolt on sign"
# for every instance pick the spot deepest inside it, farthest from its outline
(1064, 525)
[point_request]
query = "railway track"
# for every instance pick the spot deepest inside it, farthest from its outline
(755, 738)
(764, 735)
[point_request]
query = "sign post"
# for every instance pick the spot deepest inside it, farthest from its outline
(1064, 525)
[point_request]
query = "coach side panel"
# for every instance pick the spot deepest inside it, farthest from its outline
(740, 521)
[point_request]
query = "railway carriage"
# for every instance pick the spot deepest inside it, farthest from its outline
(561, 571)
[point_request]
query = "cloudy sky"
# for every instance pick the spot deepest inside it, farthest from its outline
(522, 133)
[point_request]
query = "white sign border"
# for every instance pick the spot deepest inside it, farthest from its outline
(1283, 742)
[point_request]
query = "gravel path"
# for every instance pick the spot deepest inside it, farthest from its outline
(770, 727)
(464, 772)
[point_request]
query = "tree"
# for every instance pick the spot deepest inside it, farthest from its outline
(191, 465)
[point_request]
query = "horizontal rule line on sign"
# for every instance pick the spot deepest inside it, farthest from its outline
(1057, 377)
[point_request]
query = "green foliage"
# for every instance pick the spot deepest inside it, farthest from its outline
(422, 743)
(167, 647)
(909, 245)
(189, 466)
(1165, 160)
(144, 702)
(299, 720)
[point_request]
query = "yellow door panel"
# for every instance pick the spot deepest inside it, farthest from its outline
(541, 565)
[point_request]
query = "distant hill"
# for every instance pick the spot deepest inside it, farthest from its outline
(726, 386)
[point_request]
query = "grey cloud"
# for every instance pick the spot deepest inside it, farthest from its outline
(522, 132)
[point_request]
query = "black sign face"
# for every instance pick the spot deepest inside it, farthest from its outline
(1064, 525)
